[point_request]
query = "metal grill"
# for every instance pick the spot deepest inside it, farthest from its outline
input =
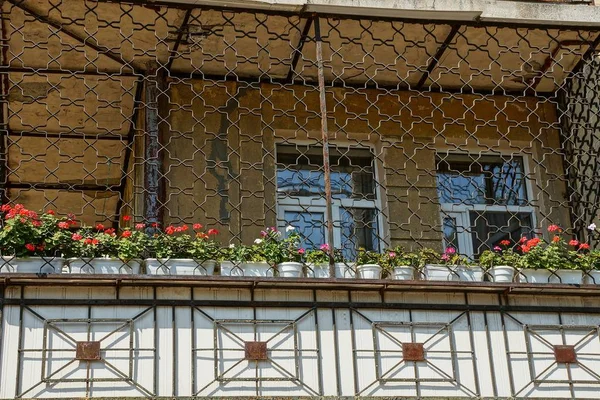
(360, 132)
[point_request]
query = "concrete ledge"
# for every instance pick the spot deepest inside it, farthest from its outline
(456, 10)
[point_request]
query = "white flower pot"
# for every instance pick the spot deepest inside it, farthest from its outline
(104, 266)
(592, 277)
(573, 276)
(404, 273)
(502, 273)
(369, 271)
(179, 266)
(531, 275)
(290, 269)
(469, 273)
(317, 270)
(257, 269)
(32, 265)
(437, 272)
(229, 268)
(345, 270)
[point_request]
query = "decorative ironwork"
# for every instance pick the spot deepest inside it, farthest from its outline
(88, 351)
(565, 354)
(256, 351)
(413, 352)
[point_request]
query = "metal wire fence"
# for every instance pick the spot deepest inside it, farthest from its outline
(360, 132)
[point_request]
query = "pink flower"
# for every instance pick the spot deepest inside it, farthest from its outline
(574, 242)
(263, 233)
(197, 226)
(76, 237)
(324, 247)
(392, 254)
(497, 248)
(450, 250)
(445, 257)
(301, 251)
(63, 225)
(140, 226)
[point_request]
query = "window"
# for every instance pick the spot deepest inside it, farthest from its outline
(301, 195)
(484, 200)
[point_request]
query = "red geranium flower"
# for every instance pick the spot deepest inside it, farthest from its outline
(554, 228)
(573, 242)
(30, 247)
(140, 226)
(76, 236)
(95, 242)
(505, 242)
(87, 241)
(212, 231)
(556, 239)
(5, 207)
(110, 231)
(50, 212)
(525, 249)
(523, 240)
(63, 225)
(100, 227)
(155, 225)
(584, 246)
(169, 230)
(126, 234)
(197, 226)
(126, 218)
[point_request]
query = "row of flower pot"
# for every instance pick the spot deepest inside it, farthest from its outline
(292, 270)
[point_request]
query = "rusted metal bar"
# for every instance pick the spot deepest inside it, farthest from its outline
(180, 34)
(298, 49)
(438, 56)
(325, 139)
(152, 189)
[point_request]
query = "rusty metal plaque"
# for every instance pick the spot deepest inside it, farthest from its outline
(565, 354)
(413, 352)
(256, 351)
(88, 351)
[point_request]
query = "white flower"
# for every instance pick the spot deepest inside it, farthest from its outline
(592, 227)
(290, 228)
(232, 246)
(257, 241)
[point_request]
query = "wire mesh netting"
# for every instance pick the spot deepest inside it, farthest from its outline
(399, 132)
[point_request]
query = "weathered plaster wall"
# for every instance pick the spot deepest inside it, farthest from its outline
(222, 153)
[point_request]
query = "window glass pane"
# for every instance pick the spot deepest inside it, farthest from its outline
(300, 172)
(481, 180)
(489, 228)
(450, 233)
(359, 229)
(311, 225)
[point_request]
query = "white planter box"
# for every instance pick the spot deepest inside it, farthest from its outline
(469, 273)
(572, 276)
(592, 277)
(404, 273)
(104, 266)
(369, 271)
(290, 270)
(342, 270)
(229, 268)
(502, 273)
(179, 266)
(32, 265)
(437, 272)
(530, 275)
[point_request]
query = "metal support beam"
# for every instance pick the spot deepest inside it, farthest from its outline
(4, 128)
(52, 71)
(180, 33)
(65, 135)
(298, 50)
(152, 171)
(60, 186)
(128, 150)
(438, 56)
(89, 41)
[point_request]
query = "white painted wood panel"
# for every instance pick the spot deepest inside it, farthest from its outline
(179, 350)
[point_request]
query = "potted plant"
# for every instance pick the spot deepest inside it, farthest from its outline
(590, 263)
(258, 259)
(368, 264)
(289, 262)
(532, 264)
(100, 250)
(25, 243)
(440, 267)
(318, 263)
(500, 262)
(175, 252)
(399, 264)
(233, 259)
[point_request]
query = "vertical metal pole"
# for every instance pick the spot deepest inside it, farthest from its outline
(152, 146)
(4, 108)
(325, 139)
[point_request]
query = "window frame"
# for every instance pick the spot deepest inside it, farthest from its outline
(464, 235)
(318, 204)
